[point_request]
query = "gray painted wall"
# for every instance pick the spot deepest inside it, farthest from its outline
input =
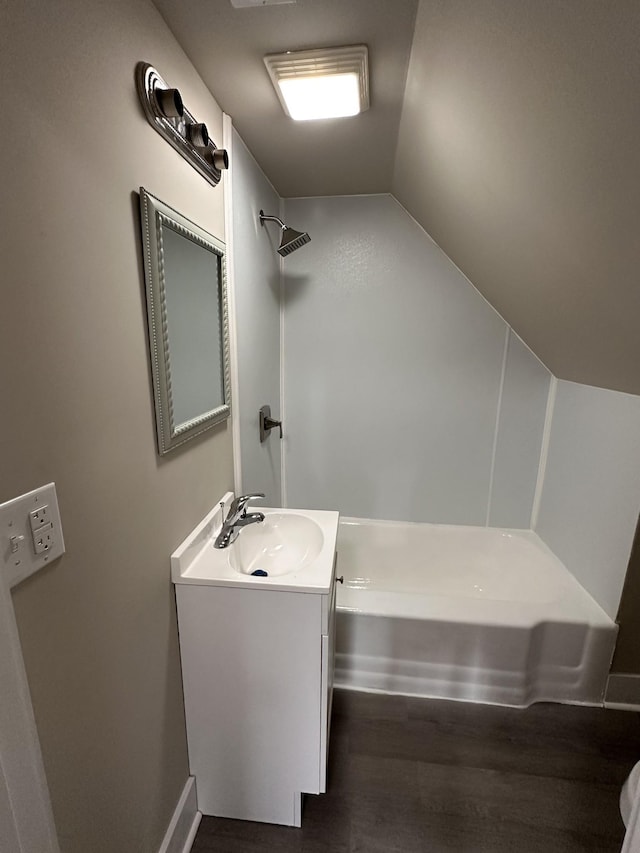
(98, 627)
(256, 283)
(518, 152)
(393, 369)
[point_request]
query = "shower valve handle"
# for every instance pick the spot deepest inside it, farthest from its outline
(267, 423)
(270, 423)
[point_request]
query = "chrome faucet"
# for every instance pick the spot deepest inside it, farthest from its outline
(237, 518)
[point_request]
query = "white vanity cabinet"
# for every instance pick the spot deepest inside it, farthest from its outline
(257, 667)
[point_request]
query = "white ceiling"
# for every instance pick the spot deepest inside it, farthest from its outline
(332, 157)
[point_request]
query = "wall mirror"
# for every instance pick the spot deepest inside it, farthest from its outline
(186, 289)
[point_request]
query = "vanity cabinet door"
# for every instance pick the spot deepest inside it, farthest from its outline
(328, 666)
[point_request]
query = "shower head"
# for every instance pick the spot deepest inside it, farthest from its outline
(290, 239)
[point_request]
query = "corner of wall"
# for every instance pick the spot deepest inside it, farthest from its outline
(544, 452)
(228, 143)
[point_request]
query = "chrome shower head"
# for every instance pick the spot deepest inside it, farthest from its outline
(290, 239)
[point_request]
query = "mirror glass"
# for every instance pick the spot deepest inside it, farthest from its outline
(188, 323)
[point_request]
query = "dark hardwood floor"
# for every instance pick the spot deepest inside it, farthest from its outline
(409, 775)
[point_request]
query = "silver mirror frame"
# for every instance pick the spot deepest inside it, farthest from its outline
(155, 214)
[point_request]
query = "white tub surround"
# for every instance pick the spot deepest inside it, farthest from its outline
(257, 664)
(591, 495)
(478, 614)
(465, 404)
(253, 267)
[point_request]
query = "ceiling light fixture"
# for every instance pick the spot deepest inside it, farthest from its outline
(246, 4)
(328, 82)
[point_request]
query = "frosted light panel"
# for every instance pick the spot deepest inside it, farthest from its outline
(333, 96)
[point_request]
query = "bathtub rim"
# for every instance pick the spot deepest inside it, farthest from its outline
(572, 606)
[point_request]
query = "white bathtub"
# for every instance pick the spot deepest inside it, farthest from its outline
(472, 613)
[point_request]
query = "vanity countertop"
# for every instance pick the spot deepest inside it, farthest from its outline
(196, 561)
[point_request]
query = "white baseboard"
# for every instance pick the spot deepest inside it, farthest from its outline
(184, 823)
(623, 692)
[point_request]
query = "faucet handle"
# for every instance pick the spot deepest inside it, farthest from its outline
(240, 503)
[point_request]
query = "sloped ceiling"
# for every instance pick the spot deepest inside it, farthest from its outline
(519, 152)
(518, 147)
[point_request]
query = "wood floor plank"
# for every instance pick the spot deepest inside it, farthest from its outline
(357, 705)
(389, 824)
(427, 776)
(223, 834)
(326, 824)
(531, 801)
(372, 775)
(497, 750)
(479, 835)
(590, 730)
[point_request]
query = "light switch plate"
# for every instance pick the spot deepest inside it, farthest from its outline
(30, 534)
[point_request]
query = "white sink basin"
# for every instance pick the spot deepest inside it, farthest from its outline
(280, 544)
(295, 547)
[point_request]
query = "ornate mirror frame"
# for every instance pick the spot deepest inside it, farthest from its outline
(156, 218)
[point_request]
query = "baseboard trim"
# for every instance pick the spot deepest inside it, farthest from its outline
(623, 691)
(184, 824)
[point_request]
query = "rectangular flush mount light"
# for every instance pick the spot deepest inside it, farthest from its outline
(324, 83)
(245, 4)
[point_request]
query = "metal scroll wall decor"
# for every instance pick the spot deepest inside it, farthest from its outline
(166, 112)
